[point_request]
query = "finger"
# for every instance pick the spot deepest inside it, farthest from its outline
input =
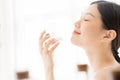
(43, 40)
(54, 47)
(46, 36)
(42, 34)
(50, 42)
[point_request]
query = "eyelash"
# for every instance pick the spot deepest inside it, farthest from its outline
(86, 20)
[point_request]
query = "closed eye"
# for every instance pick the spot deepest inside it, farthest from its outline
(86, 20)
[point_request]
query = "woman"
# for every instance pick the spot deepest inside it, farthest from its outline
(98, 32)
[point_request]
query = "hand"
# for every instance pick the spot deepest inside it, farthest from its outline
(47, 46)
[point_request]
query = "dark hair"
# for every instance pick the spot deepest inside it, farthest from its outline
(110, 15)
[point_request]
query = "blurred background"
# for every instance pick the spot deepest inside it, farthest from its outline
(22, 21)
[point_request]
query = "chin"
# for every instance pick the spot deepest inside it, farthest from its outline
(74, 42)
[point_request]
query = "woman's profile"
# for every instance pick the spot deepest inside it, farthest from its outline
(97, 32)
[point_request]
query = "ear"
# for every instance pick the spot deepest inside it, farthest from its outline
(110, 35)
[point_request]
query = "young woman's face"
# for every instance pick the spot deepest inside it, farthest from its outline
(88, 30)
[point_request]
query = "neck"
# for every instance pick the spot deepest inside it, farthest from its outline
(100, 58)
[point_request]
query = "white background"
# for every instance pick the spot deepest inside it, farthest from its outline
(21, 24)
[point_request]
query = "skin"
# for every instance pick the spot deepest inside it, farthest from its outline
(47, 53)
(90, 35)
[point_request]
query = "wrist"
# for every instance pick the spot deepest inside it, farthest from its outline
(49, 72)
(48, 66)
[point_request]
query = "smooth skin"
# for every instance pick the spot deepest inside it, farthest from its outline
(47, 53)
(91, 36)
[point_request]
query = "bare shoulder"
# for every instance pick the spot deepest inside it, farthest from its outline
(102, 75)
(105, 74)
(115, 73)
(116, 67)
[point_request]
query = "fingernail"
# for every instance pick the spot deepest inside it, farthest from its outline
(47, 34)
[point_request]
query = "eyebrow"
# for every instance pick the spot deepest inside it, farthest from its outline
(90, 14)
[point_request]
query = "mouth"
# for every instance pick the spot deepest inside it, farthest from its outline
(76, 32)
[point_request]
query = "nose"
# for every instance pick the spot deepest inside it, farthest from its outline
(77, 24)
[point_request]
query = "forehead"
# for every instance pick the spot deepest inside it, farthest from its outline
(92, 9)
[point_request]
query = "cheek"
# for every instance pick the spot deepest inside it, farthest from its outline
(91, 33)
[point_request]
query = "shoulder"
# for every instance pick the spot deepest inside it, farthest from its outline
(107, 73)
(102, 75)
(116, 67)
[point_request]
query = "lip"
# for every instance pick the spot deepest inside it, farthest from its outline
(76, 32)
